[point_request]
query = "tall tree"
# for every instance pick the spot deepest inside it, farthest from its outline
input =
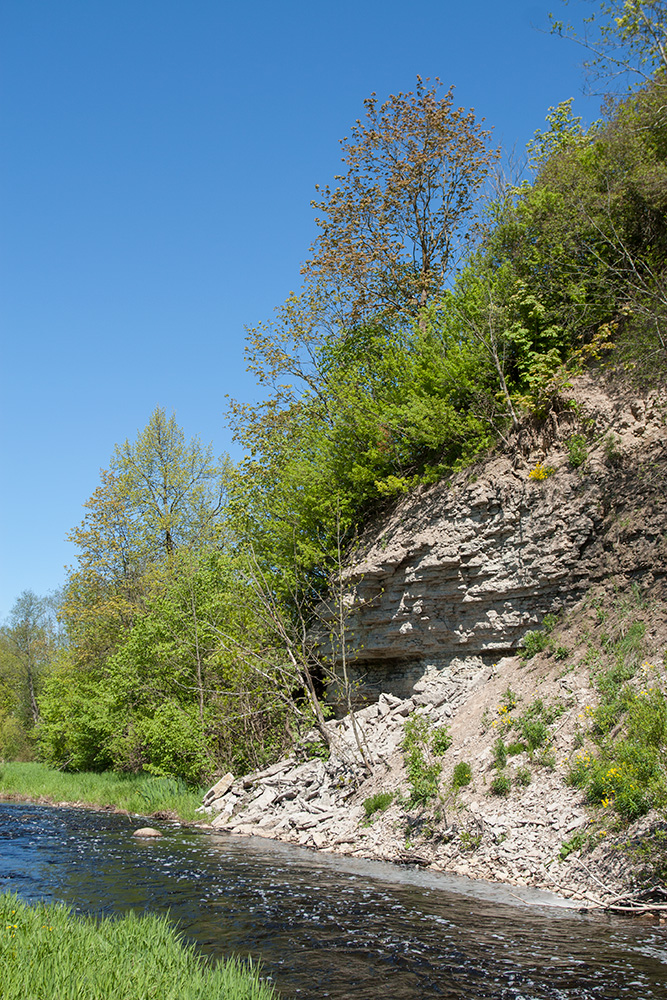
(402, 214)
(160, 493)
(30, 637)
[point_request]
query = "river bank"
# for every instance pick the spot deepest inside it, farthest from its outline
(472, 774)
(144, 795)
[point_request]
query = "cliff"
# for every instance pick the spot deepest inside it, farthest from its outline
(464, 568)
(508, 628)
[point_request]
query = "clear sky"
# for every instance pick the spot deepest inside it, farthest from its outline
(159, 158)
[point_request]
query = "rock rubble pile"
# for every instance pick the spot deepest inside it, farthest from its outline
(320, 803)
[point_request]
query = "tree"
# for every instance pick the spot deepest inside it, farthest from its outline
(32, 642)
(626, 39)
(161, 493)
(173, 490)
(396, 226)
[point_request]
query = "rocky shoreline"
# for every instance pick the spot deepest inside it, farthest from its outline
(528, 837)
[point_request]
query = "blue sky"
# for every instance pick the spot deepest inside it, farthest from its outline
(159, 162)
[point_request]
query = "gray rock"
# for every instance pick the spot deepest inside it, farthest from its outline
(220, 788)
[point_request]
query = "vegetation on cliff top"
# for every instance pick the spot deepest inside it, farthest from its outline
(432, 319)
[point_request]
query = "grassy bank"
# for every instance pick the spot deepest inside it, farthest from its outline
(47, 953)
(136, 793)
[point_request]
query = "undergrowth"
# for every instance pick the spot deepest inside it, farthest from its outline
(624, 767)
(422, 746)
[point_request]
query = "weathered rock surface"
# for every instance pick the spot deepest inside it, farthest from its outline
(443, 592)
(465, 567)
(147, 832)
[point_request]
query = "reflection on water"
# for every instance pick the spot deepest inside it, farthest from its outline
(331, 927)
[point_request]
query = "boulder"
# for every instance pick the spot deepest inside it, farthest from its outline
(219, 789)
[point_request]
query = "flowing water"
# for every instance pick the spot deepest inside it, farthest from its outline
(325, 926)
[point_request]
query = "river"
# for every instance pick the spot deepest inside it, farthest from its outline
(327, 926)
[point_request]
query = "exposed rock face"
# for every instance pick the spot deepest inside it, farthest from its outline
(444, 587)
(464, 568)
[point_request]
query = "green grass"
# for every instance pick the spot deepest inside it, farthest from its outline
(378, 803)
(47, 953)
(137, 793)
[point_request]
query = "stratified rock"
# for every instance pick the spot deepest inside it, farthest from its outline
(219, 789)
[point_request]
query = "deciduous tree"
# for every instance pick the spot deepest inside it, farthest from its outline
(626, 39)
(402, 214)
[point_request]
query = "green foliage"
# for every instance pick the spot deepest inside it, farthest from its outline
(509, 700)
(462, 774)
(420, 744)
(499, 753)
(501, 785)
(48, 952)
(534, 642)
(315, 749)
(177, 697)
(441, 740)
(533, 724)
(469, 841)
(575, 843)
(377, 803)
(627, 772)
(577, 450)
(135, 793)
(523, 776)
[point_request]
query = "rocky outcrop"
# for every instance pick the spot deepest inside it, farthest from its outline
(441, 593)
(464, 568)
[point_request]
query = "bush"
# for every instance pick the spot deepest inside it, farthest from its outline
(499, 753)
(419, 743)
(501, 785)
(378, 803)
(533, 642)
(577, 450)
(171, 744)
(462, 775)
(523, 776)
(534, 732)
(441, 740)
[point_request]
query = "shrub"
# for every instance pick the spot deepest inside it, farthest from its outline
(423, 773)
(462, 775)
(501, 785)
(378, 803)
(577, 450)
(533, 642)
(441, 740)
(523, 776)
(499, 753)
(534, 732)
